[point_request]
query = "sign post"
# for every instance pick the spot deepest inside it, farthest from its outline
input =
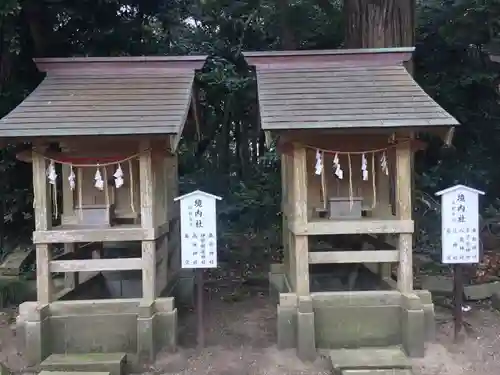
(198, 242)
(460, 239)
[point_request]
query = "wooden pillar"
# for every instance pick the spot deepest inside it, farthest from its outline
(300, 243)
(146, 185)
(43, 222)
(147, 222)
(162, 273)
(285, 213)
(148, 270)
(404, 212)
(161, 166)
(67, 194)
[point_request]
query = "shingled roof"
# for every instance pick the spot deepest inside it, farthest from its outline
(342, 89)
(106, 96)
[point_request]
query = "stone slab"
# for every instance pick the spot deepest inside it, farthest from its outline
(88, 362)
(72, 373)
(15, 261)
(377, 372)
(369, 359)
(442, 285)
(481, 291)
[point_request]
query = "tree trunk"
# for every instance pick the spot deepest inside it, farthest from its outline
(35, 14)
(379, 23)
(288, 41)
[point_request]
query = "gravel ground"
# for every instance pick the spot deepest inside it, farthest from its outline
(240, 337)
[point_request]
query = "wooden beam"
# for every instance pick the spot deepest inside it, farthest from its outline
(354, 256)
(300, 243)
(89, 265)
(94, 235)
(365, 226)
(404, 212)
(148, 270)
(146, 184)
(42, 200)
(162, 275)
(284, 213)
(44, 285)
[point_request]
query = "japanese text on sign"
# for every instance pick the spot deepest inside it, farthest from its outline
(460, 221)
(198, 230)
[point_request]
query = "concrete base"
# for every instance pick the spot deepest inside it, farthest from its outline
(377, 372)
(352, 319)
(100, 363)
(104, 326)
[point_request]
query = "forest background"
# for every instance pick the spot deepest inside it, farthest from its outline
(452, 38)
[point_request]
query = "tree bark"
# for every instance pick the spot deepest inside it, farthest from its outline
(288, 41)
(379, 23)
(35, 14)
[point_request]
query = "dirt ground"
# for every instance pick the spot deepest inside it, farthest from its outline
(240, 337)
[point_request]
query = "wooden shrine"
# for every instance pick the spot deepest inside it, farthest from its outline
(104, 133)
(346, 124)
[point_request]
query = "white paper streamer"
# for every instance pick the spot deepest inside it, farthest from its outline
(364, 167)
(51, 173)
(71, 179)
(118, 177)
(383, 164)
(336, 166)
(99, 182)
(319, 163)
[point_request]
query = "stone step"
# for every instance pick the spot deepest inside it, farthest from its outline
(377, 372)
(112, 363)
(72, 373)
(387, 358)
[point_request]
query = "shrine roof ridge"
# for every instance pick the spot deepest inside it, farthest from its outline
(304, 58)
(82, 65)
(457, 187)
(197, 192)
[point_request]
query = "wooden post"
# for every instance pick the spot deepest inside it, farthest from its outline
(44, 286)
(41, 192)
(67, 194)
(458, 296)
(147, 222)
(404, 212)
(146, 185)
(148, 270)
(43, 222)
(200, 327)
(284, 212)
(300, 244)
(162, 274)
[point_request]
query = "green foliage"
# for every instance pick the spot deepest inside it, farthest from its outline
(230, 158)
(14, 291)
(453, 67)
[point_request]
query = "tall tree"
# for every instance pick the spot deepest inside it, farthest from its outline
(379, 23)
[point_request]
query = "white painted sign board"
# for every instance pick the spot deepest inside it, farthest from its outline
(198, 230)
(460, 225)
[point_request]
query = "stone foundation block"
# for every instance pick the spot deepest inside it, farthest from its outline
(287, 326)
(306, 341)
